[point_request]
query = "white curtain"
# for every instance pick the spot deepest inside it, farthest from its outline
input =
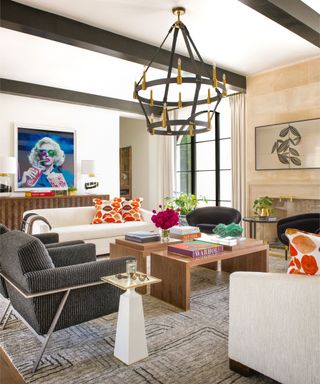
(166, 148)
(238, 150)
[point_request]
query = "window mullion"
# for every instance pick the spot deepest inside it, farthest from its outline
(217, 153)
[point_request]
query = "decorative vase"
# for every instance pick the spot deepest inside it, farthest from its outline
(165, 235)
(264, 212)
(183, 220)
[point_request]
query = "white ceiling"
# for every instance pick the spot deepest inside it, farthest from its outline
(35, 60)
(225, 31)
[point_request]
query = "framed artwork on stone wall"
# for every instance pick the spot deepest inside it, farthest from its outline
(292, 145)
(46, 157)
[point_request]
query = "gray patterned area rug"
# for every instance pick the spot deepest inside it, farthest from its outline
(184, 347)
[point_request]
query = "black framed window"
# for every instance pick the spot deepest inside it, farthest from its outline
(203, 163)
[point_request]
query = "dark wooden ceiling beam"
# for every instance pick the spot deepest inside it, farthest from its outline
(33, 21)
(38, 91)
(291, 14)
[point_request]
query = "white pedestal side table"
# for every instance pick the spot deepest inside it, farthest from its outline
(130, 344)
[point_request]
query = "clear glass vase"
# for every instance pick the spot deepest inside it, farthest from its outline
(165, 235)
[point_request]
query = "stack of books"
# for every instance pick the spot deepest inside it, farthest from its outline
(231, 241)
(195, 249)
(40, 194)
(142, 236)
(185, 233)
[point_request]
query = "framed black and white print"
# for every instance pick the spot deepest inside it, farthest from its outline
(292, 145)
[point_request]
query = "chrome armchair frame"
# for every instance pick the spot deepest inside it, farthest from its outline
(44, 339)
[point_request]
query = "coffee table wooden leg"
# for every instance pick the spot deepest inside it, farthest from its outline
(175, 285)
(255, 262)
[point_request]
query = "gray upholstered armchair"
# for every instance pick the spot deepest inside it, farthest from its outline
(74, 252)
(50, 298)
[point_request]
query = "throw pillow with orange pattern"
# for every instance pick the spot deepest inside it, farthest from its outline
(107, 211)
(130, 210)
(304, 251)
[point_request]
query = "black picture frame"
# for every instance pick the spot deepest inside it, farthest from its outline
(290, 145)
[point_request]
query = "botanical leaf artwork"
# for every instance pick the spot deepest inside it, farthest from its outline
(290, 137)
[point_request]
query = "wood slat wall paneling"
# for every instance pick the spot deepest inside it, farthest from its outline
(12, 208)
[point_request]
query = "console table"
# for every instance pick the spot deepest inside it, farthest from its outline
(12, 208)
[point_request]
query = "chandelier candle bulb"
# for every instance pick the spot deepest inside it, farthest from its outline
(144, 79)
(179, 77)
(191, 133)
(224, 79)
(209, 97)
(134, 90)
(214, 76)
(151, 98)
(180, 101)
(164, 116)
(152, 118)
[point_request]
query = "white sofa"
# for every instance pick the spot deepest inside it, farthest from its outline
(275, 325)
(75, 224)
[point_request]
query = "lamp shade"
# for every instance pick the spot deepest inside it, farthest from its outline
(87, 167)
(8, 165)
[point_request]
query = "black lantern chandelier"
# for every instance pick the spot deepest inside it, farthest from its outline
(205, 107)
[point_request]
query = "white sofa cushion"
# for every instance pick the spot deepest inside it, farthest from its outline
(66, 217)
(98, 231)
(274, 325)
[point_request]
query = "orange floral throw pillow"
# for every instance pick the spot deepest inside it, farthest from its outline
(304, 251)
(130, 210)
(107, 211)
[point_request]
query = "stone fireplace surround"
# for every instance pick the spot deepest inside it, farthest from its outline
(289, 199)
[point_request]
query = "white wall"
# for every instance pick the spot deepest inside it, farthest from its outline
(145, 157)
(97, 132)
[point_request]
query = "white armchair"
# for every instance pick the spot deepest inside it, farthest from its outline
(275, 326)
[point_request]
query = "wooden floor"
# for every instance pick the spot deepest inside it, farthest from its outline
(8, 373)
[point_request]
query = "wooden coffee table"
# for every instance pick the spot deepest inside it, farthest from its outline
(140, 251)
(174, 270)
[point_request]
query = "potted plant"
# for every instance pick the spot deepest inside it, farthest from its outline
(72, 190)
(262, 206)
(185, 203)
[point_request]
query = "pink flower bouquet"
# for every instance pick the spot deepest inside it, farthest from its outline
(165, 219)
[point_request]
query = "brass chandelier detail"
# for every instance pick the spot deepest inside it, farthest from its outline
(191, 125)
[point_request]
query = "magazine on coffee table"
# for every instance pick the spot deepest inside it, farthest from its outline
(142, 236)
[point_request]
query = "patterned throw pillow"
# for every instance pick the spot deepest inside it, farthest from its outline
(131, 209)
(107, 211)
(304, 251)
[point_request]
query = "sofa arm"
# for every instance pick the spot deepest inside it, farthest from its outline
(47, 238)
(146, 215)
(70, 276)
(274, 325)
(72, 254)
(64, 244)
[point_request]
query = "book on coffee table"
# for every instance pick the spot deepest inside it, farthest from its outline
(184, 238)
(195, 248)
(221, 240)
(184, 230)
(142, 236)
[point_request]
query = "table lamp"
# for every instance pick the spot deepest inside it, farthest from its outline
(8, 167)
(88, 168)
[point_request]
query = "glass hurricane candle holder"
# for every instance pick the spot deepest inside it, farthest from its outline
(131, 267)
